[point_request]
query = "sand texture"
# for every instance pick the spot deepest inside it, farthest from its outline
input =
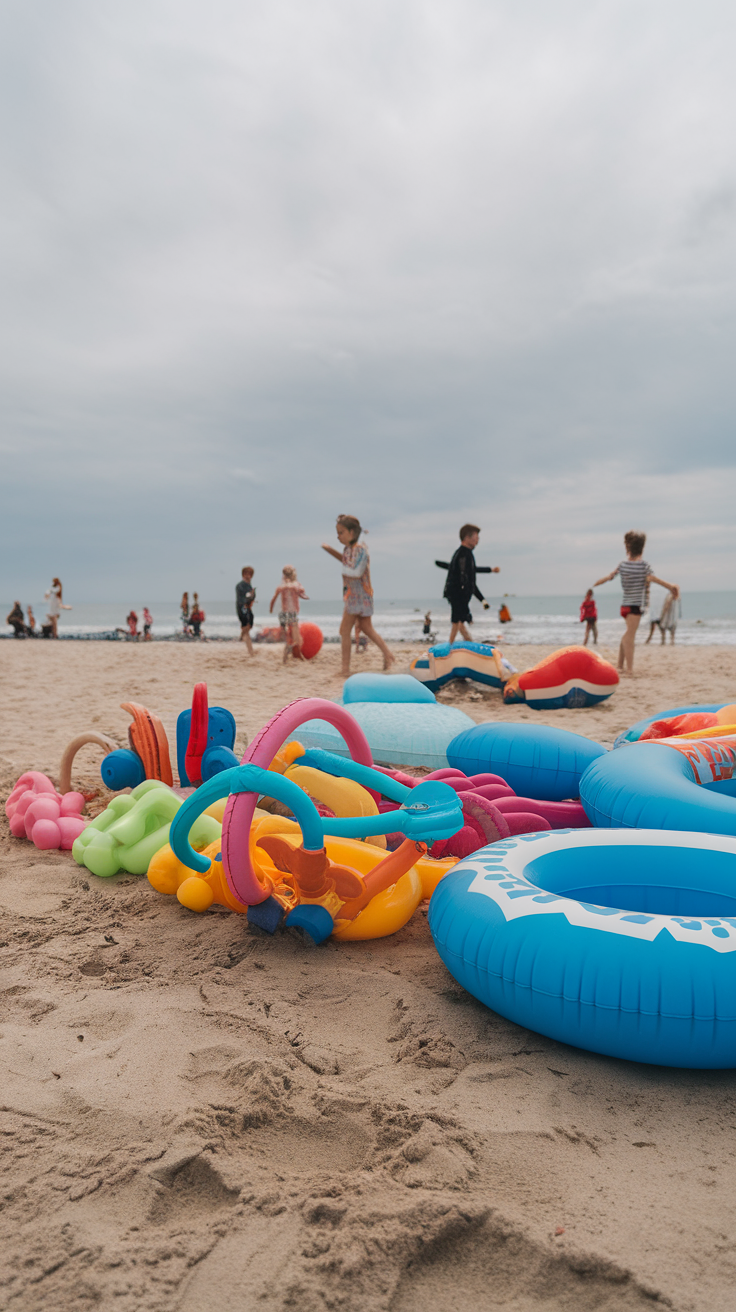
(196, 1117)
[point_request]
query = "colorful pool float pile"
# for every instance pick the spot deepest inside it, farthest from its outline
(584, 893)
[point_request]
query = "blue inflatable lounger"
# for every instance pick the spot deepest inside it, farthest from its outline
(463, 660)
(400, 718)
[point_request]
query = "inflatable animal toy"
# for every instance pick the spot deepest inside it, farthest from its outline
(621, 942)
(537, 760)
(668, 783)
(132, 828)
(479, 661)
(322, 895)
(49, 819)
(386, 912)
(400, 719)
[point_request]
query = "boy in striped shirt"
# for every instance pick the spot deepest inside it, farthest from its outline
(636, 576)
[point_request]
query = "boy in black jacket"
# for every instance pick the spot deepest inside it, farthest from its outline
(461, 584)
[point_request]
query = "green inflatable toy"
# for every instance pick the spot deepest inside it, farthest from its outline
(132, 830)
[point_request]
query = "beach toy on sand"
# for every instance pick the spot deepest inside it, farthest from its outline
(570, 677)
(721, 711)
(132, 829)
(621, 942)
(480, 661)
(385, 913)
(537, 761)
(205, 737)
(316, 893)
(310, 639)
(668, 783)
(82, 740)
(401, 721)
(49, 819)
(204, 741)
(147, 756)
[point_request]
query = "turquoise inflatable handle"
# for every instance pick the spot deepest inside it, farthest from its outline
(434, 812)
(332, 764)
(243, 779)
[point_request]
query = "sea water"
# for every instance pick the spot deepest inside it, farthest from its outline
(707, 618)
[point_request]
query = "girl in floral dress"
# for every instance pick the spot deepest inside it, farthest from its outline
(356, 590)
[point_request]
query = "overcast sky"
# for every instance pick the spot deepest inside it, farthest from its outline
(421, 261)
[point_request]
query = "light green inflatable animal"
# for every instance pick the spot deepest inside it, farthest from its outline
(133, 828)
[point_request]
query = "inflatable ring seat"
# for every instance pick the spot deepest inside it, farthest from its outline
(622, 942)
(536, 760)
(668, 783)
(633, 734)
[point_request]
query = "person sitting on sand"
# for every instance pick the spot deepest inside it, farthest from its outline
(589, 614)
(356, 590)
(245, 595)
(197, 616)
(289, 591)
(461, 584)
(16, 621)
(635, 575)
(56, 606)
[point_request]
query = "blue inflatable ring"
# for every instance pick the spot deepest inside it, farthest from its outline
(622, 942)
(656, 785)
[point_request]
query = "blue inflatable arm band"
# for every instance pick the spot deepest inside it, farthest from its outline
(329, 763)
(243, 779)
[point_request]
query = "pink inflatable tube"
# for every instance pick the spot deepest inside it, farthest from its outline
(241, 877)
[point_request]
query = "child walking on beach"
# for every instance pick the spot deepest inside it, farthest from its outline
(356, 590)
(461, 584)
(589, 614)
(289, 591)
(635, 575)
(245, 595)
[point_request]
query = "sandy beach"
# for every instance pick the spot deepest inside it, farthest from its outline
(196, 1116)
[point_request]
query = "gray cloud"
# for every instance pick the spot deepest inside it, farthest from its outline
(424, 263)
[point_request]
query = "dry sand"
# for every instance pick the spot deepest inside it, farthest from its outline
(196, 1117)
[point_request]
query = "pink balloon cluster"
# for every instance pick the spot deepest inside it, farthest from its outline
(36, 811)
(492, 810)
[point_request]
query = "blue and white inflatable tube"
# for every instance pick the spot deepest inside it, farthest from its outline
(622, 942)
(658, 785)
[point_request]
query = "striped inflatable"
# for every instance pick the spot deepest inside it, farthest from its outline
(572, 676)
(479, 661)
